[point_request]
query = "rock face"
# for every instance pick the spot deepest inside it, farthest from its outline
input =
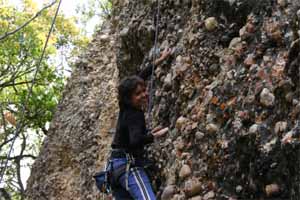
(229, 94)
(79, 135)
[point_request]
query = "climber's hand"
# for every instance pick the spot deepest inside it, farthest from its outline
(158, 128)
(160, 133)
(166, 53)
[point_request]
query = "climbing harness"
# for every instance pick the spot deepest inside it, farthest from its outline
(20, 125)
(153, 63)
(102, 178)
(109, 177)
(129, 162)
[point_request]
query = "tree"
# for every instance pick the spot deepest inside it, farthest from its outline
(22, 37)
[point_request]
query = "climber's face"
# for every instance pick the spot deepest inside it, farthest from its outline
(139, 98)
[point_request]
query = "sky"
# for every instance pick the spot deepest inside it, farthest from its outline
(68, 7)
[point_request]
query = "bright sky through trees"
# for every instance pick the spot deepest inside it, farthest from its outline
(68, 7)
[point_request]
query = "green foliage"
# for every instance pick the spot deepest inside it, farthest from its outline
(19, 56)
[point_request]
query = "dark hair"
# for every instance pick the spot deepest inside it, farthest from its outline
(126, 89)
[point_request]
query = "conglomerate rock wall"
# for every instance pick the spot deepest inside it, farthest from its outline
(230, 94)
(77, 143)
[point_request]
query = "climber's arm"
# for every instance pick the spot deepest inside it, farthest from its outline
(146, 72)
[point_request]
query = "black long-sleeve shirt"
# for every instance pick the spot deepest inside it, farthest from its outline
(131, 133)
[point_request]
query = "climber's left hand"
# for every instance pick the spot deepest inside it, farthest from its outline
(163, 56)
(166, 53)
(160, 133)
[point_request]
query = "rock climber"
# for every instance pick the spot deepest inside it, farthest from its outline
(130, 180)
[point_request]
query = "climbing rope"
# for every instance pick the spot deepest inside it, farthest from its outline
(154, 56)
(20, 124)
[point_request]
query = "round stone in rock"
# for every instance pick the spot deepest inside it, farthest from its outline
(104, 37)
(168, 192)
(272, 189)
(234, 42)
(280, 127)
(298, 14)
(238, 189)
(213, 68)
(296, 110)
(196, 198)
(209, 195)
(249, 60)
(253, 129)
(267, 98)
(289, 97)
(212, 128)
(281, 3)
(199, 135)
(273, 165)
(180, 122)
(178, 197)
(192, 187)
(168, 80)
(243, 32)
(211, 23)
(124, 32)
(210, 118)
(295, 102)
(179, 143)
(185, 171)
(287, 137)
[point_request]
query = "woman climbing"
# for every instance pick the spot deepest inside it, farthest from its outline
(128, 154)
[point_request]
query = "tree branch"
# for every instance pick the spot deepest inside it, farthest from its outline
(15, 74)
(3, 122)
(18, 166)
(5, 35)
(19, 83)
(44, 130)
(6, 141)
(18, 157)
